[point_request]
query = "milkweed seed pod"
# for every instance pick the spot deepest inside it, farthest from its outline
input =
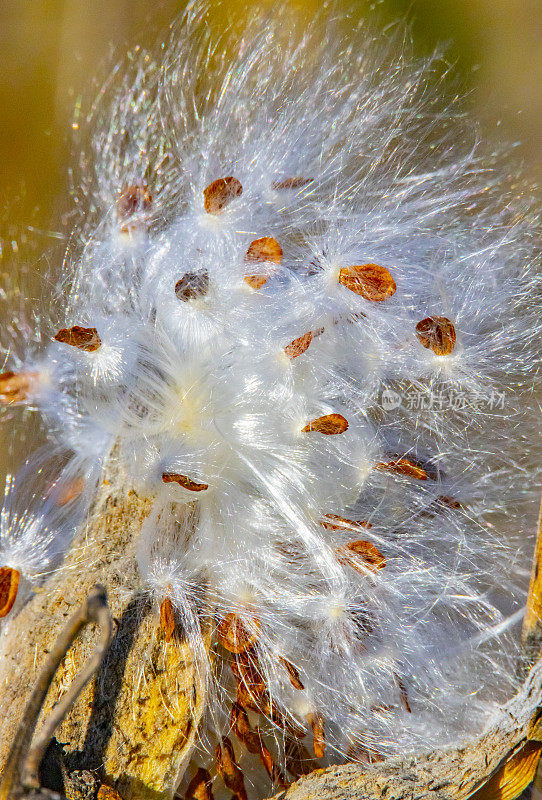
(290, 411)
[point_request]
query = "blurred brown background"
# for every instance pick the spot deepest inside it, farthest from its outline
(50, 49)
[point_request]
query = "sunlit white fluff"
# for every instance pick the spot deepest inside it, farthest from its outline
(390, 658)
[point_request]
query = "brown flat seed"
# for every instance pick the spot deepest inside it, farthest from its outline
(167, 619)
(184, 481)
(243, 729)
(437, 334)
(270, 767)
(69, 491)
(264, 250)
(251, 687)
(255, 281)
(16, 386)
(249, 699)
(86, 339)
(371, 281)
(220, 193)
(9, 586)
(199, 787)
(449, 502)
(329, 425)
(192, 285)
(107, 793)
(318, 737)
(361, 554)
(403, 466)
(333, 522)
(291, 183)
(298, 346)
(363, 754)
(132, 200)
(233, 635)
(229, 769)
(403, 693)
(293, 674)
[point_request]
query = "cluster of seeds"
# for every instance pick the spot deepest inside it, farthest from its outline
(235, 340)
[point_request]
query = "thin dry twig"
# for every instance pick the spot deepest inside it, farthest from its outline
(21, 770)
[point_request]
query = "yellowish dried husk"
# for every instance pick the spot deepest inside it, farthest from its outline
(138, 718)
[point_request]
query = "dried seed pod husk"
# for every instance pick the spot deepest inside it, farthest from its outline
(497, 758)
(15, 387)
(167, 619)
(9, 586)
(133, 200)
(86, 339)
(137, 723)
(316, 722)
(293, 674)
(370, 281)
(437, 334)
(403, 466)
(200, 787)
(329, 425)
(228, 768)
(291, 183)
(514, 776)
(361, 555)
(192, 285)
(184, 481)
(334, 522)
(220, 193)
(234, 635)
(299, 345)
(106, 792)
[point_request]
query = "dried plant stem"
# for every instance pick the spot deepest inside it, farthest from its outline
(94, 610)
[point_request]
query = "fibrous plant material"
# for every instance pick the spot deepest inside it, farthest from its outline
(288, 433)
